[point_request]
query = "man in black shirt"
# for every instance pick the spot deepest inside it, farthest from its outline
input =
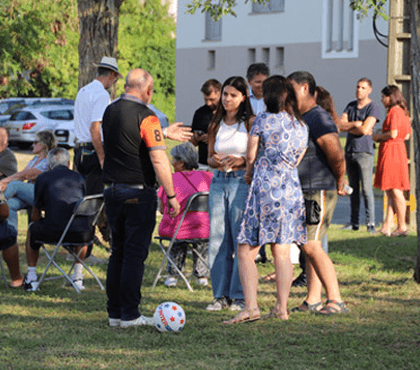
(211, 90)
(56, 192)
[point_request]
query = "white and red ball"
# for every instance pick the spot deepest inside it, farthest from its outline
(169, 316)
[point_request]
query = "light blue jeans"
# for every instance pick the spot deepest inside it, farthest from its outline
(228, 193)
(19, 195)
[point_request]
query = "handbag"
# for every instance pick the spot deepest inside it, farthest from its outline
(313, 210)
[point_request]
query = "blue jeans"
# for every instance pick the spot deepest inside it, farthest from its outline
(131, 214)
(19, 195)
(228, 193)
(360, 170)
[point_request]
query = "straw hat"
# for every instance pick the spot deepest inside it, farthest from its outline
(110, 63)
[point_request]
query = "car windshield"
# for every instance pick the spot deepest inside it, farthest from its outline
(22, 116)
(59, 115)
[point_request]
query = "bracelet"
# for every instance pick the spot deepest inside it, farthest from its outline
(170, 197)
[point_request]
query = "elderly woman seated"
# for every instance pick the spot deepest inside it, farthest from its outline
(187, 181)
(20, 194)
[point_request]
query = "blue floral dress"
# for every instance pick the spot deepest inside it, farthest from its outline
(275, 208)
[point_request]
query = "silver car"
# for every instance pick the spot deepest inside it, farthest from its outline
(23, 124)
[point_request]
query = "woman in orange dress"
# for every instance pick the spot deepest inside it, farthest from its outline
(392, 168)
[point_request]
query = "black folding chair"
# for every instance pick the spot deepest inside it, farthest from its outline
(198, 202)
(87, 209)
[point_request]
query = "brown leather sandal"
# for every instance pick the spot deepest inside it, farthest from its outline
(247, 315)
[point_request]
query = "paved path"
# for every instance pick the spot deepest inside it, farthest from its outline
(342, 211)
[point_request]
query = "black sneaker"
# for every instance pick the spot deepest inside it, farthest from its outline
(300, 280)
(371, 229)
(350, 227)
(30, 286)
(260, 259)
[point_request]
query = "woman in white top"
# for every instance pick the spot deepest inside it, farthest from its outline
(227, 143)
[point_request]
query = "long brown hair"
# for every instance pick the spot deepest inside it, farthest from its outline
(245, 109)
(396, 98)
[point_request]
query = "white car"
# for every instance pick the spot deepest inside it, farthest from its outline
(64, 131)
(24, 124)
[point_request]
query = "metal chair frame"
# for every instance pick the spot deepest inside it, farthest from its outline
(197, 202)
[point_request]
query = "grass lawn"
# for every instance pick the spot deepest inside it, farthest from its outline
(56, 328)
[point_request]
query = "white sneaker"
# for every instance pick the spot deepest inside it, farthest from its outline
(30, 285)
(79, 283)
(142, 320)
(171, 281)
(114, 322)
(203, 281)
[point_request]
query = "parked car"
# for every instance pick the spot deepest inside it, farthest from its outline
(64, 131)
(23, 124)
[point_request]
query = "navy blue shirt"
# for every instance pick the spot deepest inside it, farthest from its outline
(314, 171)
(57, 192)
(361, 143)
(8, 235)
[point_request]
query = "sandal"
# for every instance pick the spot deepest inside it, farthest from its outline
(306, 307)
(274, 315)
(400, 233)
(270, 278)
(247, 315)
(331, 310)
(384, 232)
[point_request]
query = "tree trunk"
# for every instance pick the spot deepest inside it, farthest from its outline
(415, 93)
(98, 23)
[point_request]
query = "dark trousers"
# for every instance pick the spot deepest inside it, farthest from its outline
(86, 162)
(131, 215)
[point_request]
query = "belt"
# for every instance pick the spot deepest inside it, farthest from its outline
(126, 186)
(84, 145)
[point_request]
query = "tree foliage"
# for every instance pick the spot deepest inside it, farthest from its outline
(363, 6)
(147, 40)
(38, 52)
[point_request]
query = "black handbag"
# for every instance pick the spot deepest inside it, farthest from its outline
(313, 210)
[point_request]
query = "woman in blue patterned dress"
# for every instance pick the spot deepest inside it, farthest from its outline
(275, 210)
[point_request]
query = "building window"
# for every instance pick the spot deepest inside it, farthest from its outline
(339, 30)
(251, 56)
(266, 56)
(211, 59)
(280, 58)
(213, 28)
(269, 7)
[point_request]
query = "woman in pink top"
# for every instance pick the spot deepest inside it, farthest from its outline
(187, 182)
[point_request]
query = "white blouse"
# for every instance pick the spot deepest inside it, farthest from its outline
(232, 139)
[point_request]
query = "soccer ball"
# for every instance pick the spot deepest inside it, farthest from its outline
(169, 316)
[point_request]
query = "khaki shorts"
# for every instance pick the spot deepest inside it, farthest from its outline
(327, 199)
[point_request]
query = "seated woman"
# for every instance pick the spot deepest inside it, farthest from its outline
(187, 182)
(9, 246)
(20, 194)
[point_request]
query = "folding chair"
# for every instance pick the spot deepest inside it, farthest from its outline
(89, 207)
(3, 271)
(198, 202)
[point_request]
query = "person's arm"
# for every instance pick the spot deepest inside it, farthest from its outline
(95, 133)
(29, 174)
(366, 127)
(178, 132)
(345, 125)
(213, 159)
(36, 214)
(385, 136)
(163, 172)
(330, 145)
(251, 155)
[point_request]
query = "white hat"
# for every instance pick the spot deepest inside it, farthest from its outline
(110, 63)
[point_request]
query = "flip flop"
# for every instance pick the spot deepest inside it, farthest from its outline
(384, 233)
(400, 233)
(274, 315)
(247, 315)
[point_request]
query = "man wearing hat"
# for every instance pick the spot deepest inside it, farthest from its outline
(91, 102)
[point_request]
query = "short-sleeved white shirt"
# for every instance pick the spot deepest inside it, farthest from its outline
(90, 105)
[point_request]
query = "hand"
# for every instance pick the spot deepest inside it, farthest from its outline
(204, 138)
(178, 132)
(231, 161)
(3, 185)
(215, 161)
(173, 207)
(340, 186)
(248, 177)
